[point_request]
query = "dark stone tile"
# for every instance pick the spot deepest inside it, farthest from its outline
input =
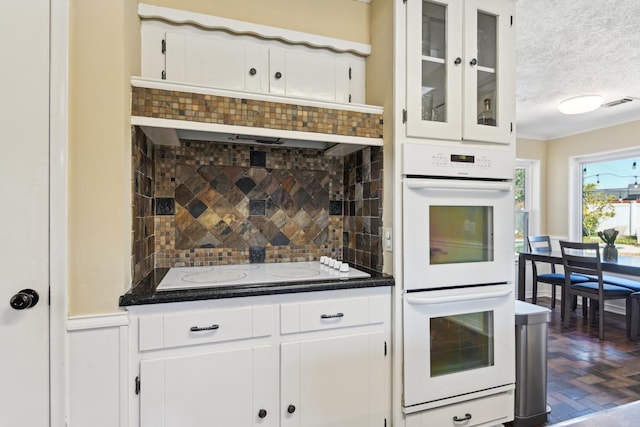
(196, 208)
(257, 207)
(335, 207)
(245, 184)
(258, 158)
(183, 195)
(164, 206)
(279, 240)
(257, 255)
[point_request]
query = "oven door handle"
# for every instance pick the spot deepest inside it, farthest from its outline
(458, 298)
(432, 184)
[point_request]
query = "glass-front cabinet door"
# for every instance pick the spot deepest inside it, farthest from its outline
(461, 70)
(434, 69)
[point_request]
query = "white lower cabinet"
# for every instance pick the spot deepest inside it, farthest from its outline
(334, 381)
(295, 360)
(233, 387)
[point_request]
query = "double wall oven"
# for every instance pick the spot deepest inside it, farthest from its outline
(458, 302)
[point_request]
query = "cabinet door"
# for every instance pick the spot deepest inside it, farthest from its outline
(434, 69)
(308, 75)
(489, 73)
(224, 388)
(220, 63)
(334, 381)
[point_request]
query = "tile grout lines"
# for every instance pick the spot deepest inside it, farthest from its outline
(585, 375)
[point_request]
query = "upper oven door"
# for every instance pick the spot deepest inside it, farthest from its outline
(457, 232)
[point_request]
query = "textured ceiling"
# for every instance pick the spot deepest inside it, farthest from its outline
(566, 48)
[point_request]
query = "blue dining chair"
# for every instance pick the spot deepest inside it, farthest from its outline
(542, 244)
(584, 259)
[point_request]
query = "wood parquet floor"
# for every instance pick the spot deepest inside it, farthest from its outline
(584, 374)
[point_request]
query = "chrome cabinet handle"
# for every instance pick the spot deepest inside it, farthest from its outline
(204, 328)
(331, 316)
(467, 417)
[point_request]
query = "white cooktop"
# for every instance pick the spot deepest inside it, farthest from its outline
(252, 274)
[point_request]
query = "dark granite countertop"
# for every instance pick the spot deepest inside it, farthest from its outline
(145, 292)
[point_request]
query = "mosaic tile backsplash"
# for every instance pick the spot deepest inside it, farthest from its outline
(216, 203)
(143, 236)
(196, 107)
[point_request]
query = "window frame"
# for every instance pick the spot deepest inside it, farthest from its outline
(532, 190)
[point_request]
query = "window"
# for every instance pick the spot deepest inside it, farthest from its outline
(610, 191)
(527, 201)
(606, 179)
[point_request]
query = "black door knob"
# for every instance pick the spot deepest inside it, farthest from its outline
(291, 409)
(458, 61)
(278, 75)
(262, 413)
(473, 62)
(26, 298)
(253, 71)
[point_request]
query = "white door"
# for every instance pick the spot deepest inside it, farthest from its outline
(24, 224)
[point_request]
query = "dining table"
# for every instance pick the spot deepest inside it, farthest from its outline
(627, 265)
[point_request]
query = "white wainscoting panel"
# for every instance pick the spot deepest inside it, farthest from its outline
(97, 370)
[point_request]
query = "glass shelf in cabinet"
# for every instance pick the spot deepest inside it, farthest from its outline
(433, 59)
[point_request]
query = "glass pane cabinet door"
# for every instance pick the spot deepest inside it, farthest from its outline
(433, 74)
(489, 75)
(486, 84)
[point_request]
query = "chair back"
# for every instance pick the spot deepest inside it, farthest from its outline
(581, 258)
(539, 244)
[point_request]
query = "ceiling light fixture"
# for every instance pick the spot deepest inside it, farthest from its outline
(580, 104)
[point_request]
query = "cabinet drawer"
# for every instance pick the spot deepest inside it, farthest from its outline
(485, 411)
(189, 328)
(330, 314)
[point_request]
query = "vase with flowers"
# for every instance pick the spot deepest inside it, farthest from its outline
(608, 236)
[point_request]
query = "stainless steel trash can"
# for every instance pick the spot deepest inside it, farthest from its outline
(532, 329)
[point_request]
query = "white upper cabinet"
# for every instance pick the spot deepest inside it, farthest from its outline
(460, 70)
(240, 56)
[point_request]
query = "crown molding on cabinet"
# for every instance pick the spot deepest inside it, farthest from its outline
(176, 16)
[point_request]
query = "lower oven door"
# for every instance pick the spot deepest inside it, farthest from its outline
(457, 341)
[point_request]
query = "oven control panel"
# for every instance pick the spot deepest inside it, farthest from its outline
(450, 161)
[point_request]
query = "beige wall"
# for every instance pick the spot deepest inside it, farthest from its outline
(380, 92)
(531, 149)
(104, 53)
(342, 19)
(555, 158)
(562, 149)
(103, 40)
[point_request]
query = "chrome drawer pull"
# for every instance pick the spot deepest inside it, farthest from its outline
(467, 417)
(205, 328)
(331, 316)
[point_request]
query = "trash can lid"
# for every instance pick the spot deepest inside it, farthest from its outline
(527, 314)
